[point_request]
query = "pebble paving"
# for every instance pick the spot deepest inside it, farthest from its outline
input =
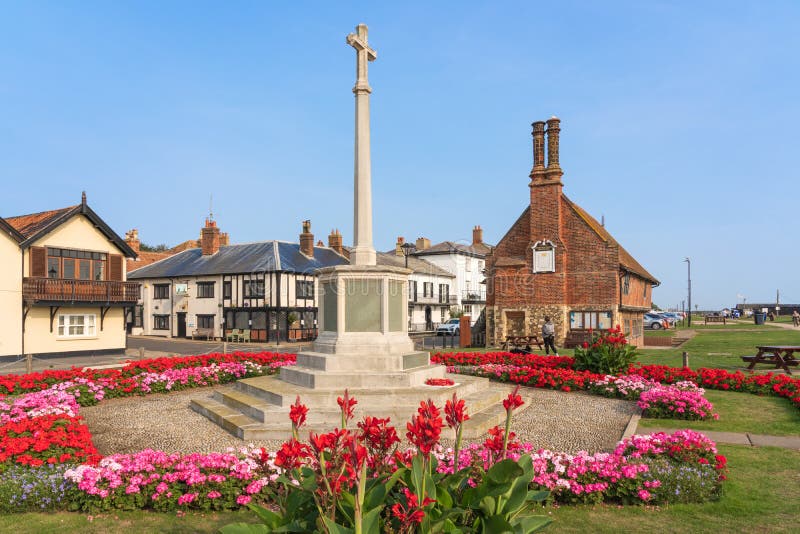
(555, 420)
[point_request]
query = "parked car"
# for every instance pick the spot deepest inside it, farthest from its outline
(654, 321)
(450, 328)
(674, 316)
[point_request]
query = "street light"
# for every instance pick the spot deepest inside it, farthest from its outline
(406, 251)
(689, 286)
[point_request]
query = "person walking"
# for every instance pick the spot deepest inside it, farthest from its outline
(795, 318)
(549, 336)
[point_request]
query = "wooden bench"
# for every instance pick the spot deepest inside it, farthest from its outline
(715, 319)
(207, 333)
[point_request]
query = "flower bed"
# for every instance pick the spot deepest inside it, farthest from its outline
(43, 428)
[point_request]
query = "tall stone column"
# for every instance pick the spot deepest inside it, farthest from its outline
(363, 251)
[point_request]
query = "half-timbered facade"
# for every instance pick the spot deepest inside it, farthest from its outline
(63, 283)
(267, 288)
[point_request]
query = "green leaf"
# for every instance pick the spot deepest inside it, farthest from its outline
(517, 496)
(488, 505)
(245, 528)
(443, 497)
(531, 523)
(374, 497)
(496, 524)
(538, 496)
(269, 518)
(504, 471)
(335, 528)
(417, 473)
(370, 522)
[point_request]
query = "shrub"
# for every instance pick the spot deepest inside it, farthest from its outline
(608, 353)
(670, 482)
(27, 489)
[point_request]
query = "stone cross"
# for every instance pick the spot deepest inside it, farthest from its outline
(363, 252)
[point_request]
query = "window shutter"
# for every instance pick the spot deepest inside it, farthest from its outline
(38, 259)
(114, 267)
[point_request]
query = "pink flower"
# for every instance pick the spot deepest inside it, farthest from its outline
(243, 499)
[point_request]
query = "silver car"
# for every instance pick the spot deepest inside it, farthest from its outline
(450, 328)
(653, 321)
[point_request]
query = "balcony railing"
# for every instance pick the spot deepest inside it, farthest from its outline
(450, 300)
(473, 296)
(89, 291)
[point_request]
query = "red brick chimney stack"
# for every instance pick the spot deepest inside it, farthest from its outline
(538, 149)
(132, 239)
(209, 238)
(477, 235)
(224, 239)
(553, 171)
(307, 240)
(335, 241)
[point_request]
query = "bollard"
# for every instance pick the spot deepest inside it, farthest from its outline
(685, 359)
(224, 347)
(141, 353)
(29, 363)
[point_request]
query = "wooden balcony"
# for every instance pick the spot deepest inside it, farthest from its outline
(56, 290)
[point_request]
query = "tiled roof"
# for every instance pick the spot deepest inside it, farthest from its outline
(480, 249)
(28, 225)
(626, 261)
(264, 256)
(417, 265)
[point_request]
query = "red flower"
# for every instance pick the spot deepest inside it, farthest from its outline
(291, 454)
(425, 427)
(513, 401)
(378, 434)
(455, 412)
(412, 513)
(346, 404)
(297, 413)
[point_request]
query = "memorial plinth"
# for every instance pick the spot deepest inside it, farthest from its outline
(363, 345)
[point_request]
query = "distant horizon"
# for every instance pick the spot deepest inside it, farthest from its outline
(678, 123)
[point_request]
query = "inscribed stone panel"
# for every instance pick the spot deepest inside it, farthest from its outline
(362, 306)
(329, 317)
(397, 302)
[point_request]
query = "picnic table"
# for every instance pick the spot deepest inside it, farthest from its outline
(715, 319)
(782, 356)
(521, 342)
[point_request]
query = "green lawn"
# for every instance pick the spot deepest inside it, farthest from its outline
(741, 412)
(716, 347)
(762, 494)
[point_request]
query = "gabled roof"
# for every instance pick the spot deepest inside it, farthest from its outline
(34, 226)
(11, 231)
(263, 256)
(626, 261)
(417, 265)
(33, 223)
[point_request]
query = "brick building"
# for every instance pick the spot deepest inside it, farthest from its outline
(558, 260)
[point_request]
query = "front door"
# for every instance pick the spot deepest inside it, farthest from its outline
(181, 324)
(428, 318)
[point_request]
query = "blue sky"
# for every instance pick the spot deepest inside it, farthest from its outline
(679, 123)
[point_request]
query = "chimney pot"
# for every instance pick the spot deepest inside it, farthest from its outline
(209, 238)
(132, 239)
(307, 239)
(477, 235)
(335, 241)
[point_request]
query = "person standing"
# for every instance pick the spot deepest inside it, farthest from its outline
(795, 318)
(549, 336)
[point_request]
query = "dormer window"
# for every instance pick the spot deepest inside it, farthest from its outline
(544, 257)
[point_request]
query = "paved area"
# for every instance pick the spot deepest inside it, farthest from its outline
(736, 438)
(555, 420)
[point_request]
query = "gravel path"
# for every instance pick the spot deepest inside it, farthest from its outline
(555, 420)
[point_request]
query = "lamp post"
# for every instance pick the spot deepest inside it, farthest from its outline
(689, 286)
(406, 251)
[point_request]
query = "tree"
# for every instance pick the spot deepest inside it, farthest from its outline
(144, 247)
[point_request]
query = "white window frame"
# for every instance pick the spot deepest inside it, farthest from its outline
(88, 326)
